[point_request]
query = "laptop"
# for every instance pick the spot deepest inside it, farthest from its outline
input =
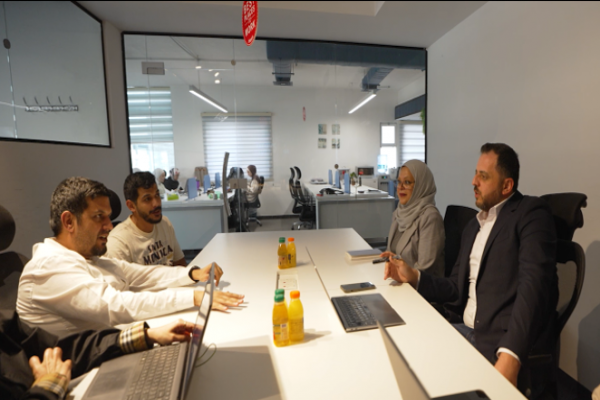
(408, 383)
(159, 373)
(361, 312)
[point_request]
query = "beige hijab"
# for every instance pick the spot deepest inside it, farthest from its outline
(423, 195)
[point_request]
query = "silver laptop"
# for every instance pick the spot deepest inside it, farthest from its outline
(408, 383)
(160, 373)
(361, 312)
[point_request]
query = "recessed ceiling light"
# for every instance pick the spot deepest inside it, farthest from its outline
(217, 81)
(210, 70)
(217, 74)
(198, 66)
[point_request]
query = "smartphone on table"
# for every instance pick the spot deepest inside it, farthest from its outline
(357, 287)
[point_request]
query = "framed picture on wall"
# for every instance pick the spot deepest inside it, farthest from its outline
(322, 129)
(335, 143)
(322, 143)
(335, 129)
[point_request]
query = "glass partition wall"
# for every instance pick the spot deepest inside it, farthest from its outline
(276, 104)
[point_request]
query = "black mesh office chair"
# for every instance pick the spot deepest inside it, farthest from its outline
(252, 214)
(306, 203)
(570, 258)
(455, 221)
(115, 206)
(11, 263)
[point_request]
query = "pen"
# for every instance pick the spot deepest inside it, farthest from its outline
(386, 259)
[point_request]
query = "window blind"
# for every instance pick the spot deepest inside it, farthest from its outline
(412, 141)
(246, 137)
(151, 128)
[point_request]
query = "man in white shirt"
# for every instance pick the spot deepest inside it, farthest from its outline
(68, 287)
(146, 237)
(504, 284)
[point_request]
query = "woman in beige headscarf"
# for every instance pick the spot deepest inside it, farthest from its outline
(417, 231)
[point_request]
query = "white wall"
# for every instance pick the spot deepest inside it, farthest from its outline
(294, 140)
(31, 171)
(527, 74)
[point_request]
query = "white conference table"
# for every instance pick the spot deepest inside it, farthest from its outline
(196, 221)
(330, 363)
(369, 212)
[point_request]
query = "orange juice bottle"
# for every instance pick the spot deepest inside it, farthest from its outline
(296, 317)
(291, 248)
(282, 254)
(280, 322)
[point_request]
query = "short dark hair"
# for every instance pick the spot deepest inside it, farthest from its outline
(508, 161)
(135, 181)
(72, 195)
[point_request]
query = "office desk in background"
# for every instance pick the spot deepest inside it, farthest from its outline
(196, 221)
(330, 363)
(369, 214)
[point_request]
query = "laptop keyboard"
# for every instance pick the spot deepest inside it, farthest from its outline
(354, 311)
(156, 376)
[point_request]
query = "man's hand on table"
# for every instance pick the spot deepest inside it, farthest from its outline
(203, 274)
(176, 331)
(399, 271)
(221, 300)
(51, 364)
(508, 366)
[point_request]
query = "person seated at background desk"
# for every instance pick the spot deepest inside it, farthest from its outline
(172, 182)
(146, 237)
(417, 231)
(23, 375)
(253, 186)
(67, 287)
(159, 176)
(504, 284)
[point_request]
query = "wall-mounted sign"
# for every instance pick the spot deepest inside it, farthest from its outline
(249, 21)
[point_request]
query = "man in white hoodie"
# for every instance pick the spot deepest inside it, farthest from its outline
(68, 287)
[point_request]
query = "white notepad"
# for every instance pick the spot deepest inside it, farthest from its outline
(363, 254)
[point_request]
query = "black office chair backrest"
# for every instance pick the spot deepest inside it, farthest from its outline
(566, 209)
(298, 173)
(567, 252)
(11, 263)
(455, 221)
(115, 205)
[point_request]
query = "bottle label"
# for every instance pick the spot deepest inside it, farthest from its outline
(280, 332)
(283, 262)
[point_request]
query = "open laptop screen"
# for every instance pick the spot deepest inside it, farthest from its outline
(199, 329)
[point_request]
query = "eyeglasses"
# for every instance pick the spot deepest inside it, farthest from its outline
(406, 184)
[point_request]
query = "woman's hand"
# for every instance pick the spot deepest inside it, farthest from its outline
(399, 271)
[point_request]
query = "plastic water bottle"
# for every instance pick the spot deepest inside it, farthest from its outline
(282, 255)
(280, 322)
(296, 317)
(291, 248)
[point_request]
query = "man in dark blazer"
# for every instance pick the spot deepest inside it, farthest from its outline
(504, 287)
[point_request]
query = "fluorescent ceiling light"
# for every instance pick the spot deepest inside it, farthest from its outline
(217, 81)
(217, 74)
(198, 66)
(362, 103)
(207, 98)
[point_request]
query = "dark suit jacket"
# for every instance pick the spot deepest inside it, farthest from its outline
(517, 286)
(19, 342)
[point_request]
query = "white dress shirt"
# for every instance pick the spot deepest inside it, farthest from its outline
(486, 223)
(63, 293)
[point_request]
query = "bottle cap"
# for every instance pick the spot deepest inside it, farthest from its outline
(280, 291)
(290, 239)
(295, 294)
(281, 240)
(278, 298)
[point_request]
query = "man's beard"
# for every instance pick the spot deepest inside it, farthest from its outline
(485, 203)
(146, 216)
